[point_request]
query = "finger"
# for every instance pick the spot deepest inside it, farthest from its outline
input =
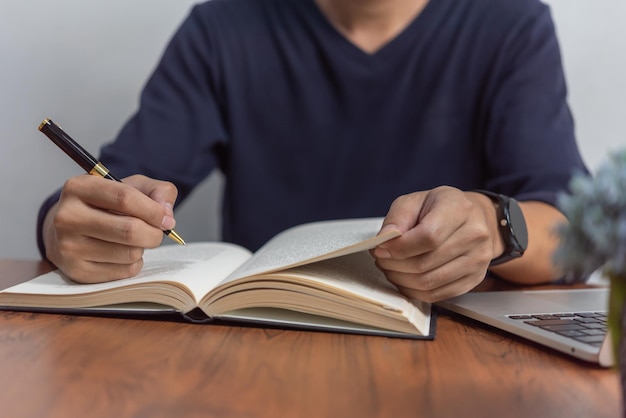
(404, 212)
(402, 216)
(75, 219)
(410, 210)
(471, 239)
(118, 197)
(432, 278)
(90, 272)
(107, 226)
(162, 192)
(449, 290)
(447, 281)
(424, 262)
(443, 213)
(87, 260)
(92, 249)
(434, 229)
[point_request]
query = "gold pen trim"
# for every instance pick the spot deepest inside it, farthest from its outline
(175, 237)
(44, 123)
(99, 170)
(85, 160)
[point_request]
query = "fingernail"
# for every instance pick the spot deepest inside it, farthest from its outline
(168, 222)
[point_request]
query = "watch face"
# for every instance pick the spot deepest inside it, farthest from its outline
(512, 226)
(517, 223)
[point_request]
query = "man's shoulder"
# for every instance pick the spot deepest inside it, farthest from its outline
(503, 11)
(242, 16)
(508, 6)
(240, 8)
(494, 18)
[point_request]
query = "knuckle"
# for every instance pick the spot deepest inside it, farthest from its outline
(466, 206)
(69, 251)
(59, 221)
(136, 232)
(401, 200)
(122, 197)
(129, 229)
(479, 232)
(430, 238)
(63, 220)
(444, 189)
(170, 188)
(71, 185)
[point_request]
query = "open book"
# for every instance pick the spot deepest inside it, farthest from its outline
(317, 275)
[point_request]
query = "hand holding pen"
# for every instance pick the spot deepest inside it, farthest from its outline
(98, 230)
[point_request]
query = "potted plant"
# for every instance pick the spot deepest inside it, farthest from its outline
(595, 239)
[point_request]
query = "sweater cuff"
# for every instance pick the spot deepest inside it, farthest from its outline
(43, 211)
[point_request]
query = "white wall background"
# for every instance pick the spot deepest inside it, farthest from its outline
(83, 64)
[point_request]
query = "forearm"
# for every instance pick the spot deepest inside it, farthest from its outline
(536, 266)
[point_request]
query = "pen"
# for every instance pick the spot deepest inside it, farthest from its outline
(86, 160)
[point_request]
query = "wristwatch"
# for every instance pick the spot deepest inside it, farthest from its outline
(511, 224)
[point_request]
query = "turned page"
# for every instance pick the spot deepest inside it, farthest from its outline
(355, 276)
(314, 242)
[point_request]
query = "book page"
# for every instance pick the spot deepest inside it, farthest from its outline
(195, 268)
(355, 276)
(314, 242)
(349, 288)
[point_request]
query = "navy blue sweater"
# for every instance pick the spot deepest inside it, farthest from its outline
(306, 126)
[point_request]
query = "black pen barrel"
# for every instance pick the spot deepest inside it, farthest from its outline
(68, 145)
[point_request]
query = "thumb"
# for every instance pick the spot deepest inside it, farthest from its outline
(403, 213)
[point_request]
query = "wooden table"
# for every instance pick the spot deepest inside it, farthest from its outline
(79, 366)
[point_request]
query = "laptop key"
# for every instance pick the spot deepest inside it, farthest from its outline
(586, 327)
(571, 333)
(545, 317)
(587, 314)
(588, 320)
(544, 322)
(564, 327)
(594, 331)
(596, 326)
(591, 339)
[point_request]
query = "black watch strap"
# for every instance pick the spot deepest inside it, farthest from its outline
(511, 224)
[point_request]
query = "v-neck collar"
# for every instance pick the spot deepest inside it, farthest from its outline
(396, 42)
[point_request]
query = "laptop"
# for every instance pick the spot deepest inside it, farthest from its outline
(572, 321)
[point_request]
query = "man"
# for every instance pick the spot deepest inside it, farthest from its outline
(320, 109)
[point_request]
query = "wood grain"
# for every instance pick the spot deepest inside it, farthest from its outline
(75, 366)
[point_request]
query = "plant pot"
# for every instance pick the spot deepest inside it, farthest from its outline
(617, 328)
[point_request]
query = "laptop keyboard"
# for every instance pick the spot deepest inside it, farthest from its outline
(586, 327)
